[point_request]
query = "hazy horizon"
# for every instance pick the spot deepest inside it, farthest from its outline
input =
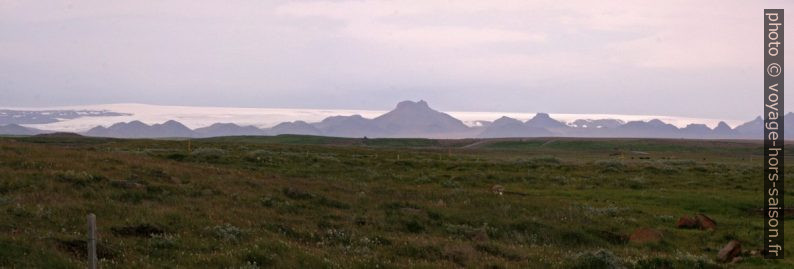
(697, 60)
(203, 116)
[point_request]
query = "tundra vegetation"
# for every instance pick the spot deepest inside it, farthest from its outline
(319, 202)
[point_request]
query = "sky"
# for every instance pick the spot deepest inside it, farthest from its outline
(675, 58)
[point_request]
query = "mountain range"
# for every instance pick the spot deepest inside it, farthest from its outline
(417, 119)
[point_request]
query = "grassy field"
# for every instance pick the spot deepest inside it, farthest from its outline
(318, 202)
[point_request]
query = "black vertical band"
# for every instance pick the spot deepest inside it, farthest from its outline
(773, 133)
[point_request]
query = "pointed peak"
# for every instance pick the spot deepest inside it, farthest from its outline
(722, 124)
(172, 122)
(505, 119)
(543, 120)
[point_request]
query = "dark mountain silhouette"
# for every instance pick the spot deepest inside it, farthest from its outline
(16, 129)
(348, 126)
(654, 128)
(295, 127)
(121, 129)
(723, 131)
(412, 119)
(510, 127)
(227, 129)
(137, 129)
(173, 128)
(417, 119)
(696, 130)
(753, 129)
(543, 120)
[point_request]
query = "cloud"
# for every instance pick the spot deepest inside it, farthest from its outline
(638, 56)
(372, 22)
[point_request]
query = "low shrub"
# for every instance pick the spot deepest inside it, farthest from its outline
(596, 259)
(227, 232)
(208, 153)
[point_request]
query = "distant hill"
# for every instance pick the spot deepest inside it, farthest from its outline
(752, 129)
(509, 127)
(723, 131)
(137, 129)
(417, 119)
(227, 129)
(543, 120)
(16, 129)
(696, 130)
(349, 126)
(295, 127)
(411, 119)
(653, 128)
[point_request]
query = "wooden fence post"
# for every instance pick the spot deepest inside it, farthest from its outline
(92, 259)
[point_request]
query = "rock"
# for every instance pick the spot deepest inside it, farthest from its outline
(729, 251)
(700, 221)
(705, 223)
(498, 189)
(645, 235)
(686, 222)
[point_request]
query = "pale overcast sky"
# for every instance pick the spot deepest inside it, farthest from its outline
(676, 58)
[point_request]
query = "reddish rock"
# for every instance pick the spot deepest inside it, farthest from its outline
(687, 222)
(645, 235)
(729, 251)
(705, 223)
